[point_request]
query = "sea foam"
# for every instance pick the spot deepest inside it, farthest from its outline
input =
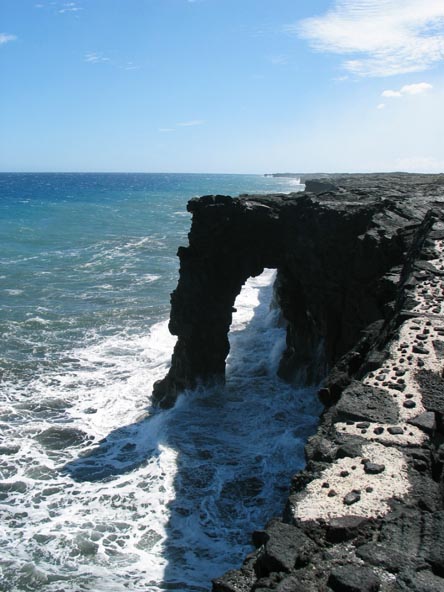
(105, 490)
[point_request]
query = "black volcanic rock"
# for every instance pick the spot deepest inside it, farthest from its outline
(362, 403)
(353, 578)
(318, 187)
(359, 264)
(285, 546)
(335, 254)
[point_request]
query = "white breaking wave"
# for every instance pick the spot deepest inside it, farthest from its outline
(100, 492)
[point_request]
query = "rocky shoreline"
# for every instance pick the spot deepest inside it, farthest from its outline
(360, 282)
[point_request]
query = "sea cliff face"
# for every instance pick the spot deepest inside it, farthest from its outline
(360, 283)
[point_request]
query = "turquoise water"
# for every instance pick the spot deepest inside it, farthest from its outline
(98, 491)
(88, 254)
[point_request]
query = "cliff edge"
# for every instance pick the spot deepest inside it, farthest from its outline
(360, 283)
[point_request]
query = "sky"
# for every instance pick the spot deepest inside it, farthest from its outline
(222, 86)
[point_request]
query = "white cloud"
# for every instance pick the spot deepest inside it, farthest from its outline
(381, 106)
(95, 58)
(5, 38)
(416, 89)
(391, 93)
(389, 36)
(408, 89)
(191, 123)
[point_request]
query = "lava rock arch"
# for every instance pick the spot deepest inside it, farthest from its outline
(336, 255)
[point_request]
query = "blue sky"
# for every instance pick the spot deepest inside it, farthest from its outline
(230, 86)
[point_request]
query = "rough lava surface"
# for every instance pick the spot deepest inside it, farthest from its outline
(360, 283)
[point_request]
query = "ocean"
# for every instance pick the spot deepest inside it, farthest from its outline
(99, 491)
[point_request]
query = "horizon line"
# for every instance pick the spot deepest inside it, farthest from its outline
(316, 172)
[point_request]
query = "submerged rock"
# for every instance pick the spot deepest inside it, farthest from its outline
(59, 437)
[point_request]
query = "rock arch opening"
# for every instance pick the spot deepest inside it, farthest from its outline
(257, 332)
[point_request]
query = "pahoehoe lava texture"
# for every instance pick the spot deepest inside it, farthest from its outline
(360, 283)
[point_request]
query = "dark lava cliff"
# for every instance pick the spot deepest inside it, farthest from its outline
(360, 268)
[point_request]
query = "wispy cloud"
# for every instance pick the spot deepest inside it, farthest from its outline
(278, 60)
(5, 38)
(60, 7)
(70, 7)
(191, 123)
(130, 66)
(388, 36)
(408, 89)
(95, 58)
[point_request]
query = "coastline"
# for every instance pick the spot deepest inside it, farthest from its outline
(367, 512)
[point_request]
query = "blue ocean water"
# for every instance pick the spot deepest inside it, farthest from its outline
(98, 491)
